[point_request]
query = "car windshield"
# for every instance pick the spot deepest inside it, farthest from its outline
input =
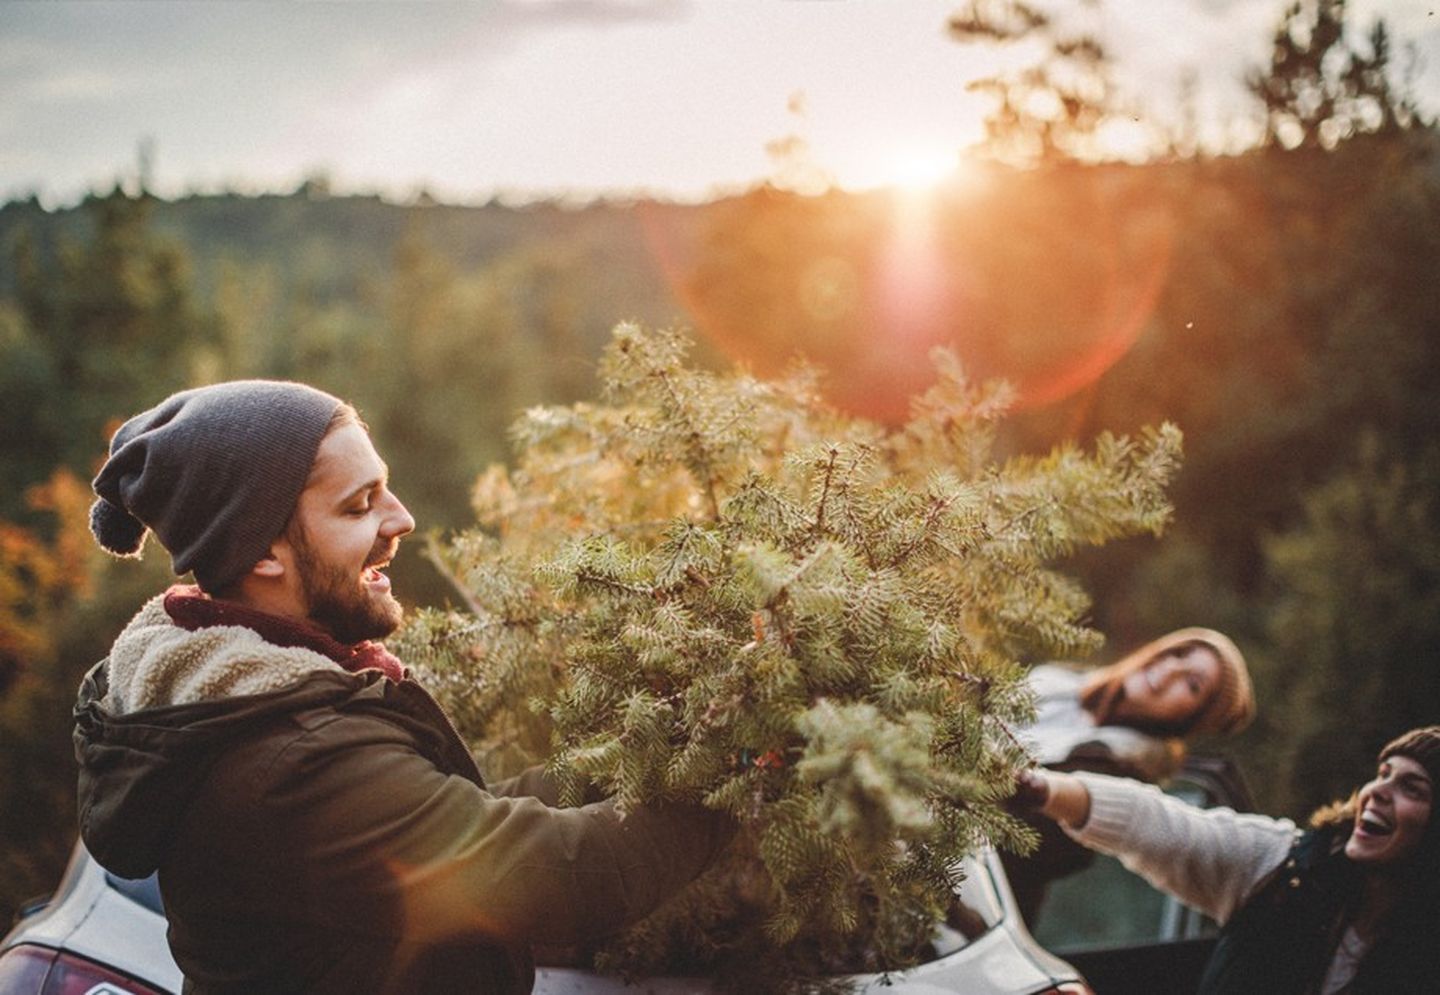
(974, 912)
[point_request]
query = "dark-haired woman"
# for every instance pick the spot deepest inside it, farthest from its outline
(1349, 907)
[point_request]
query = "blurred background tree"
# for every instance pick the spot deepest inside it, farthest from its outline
(1052, 108)
(1321, 89)
(103, 313)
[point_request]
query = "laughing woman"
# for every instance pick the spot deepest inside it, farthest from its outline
(1133, 716)
(1351, 906)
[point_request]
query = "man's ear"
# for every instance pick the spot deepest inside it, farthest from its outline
(271, 566)
(272, 583)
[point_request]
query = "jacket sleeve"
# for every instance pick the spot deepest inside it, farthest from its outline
(379, 823)
(1211, 859)
(529, 783)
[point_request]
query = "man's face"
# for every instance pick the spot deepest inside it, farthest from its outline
(346, 529)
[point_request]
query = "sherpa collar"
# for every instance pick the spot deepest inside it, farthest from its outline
(190, 609)
(158, 661)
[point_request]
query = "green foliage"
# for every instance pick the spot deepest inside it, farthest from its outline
(112, 311)
(59, 599)
(720, 590)
(1355, 624)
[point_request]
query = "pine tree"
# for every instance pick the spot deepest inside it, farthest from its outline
(1052, 109)
(1320, 90)
(715, 589)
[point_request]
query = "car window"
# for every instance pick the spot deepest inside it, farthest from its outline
(144, 891)
(1104, 905)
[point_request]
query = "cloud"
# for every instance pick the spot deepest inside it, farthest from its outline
(595, 13)
(552, 94)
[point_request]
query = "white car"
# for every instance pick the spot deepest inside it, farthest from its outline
(103, 935)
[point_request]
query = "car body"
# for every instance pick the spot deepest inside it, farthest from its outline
(110, 932)
(97, 935)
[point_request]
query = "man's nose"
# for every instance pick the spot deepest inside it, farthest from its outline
(399, 522)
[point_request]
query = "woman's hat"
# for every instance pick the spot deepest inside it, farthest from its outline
(1421, 745)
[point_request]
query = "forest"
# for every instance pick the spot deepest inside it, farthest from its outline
(1280, 306)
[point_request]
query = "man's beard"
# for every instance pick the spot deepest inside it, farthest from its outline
(336, 600)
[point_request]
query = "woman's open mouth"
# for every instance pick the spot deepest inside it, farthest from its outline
(1372, 826)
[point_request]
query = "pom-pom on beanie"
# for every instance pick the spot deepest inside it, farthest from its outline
(214, 472)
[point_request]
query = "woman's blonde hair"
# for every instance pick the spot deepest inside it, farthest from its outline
(1229, 709)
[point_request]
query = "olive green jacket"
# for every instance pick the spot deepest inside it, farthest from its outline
(333, 834)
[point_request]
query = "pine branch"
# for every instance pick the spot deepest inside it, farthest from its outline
(833, 619)
(819, 527)
(436, 555)
(600, 580)
(703, 462)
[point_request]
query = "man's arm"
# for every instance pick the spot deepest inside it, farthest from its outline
(383, 825)
(532, 782)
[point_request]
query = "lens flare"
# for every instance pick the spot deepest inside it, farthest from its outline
(1041, 285)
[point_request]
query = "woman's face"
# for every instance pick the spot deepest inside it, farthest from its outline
(1392, 813)
(1170, 690)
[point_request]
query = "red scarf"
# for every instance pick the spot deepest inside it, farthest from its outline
(192, 610)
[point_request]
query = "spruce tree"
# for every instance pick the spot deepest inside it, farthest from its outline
(719, 590)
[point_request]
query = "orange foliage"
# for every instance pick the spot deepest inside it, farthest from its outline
(38, 574)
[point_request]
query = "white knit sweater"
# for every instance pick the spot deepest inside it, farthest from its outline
(1062, 726)
(1211, 859)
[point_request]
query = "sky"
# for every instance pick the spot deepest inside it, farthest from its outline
(584, 98)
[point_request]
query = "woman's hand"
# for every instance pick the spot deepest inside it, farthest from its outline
(1032, 791)
(1062, 797)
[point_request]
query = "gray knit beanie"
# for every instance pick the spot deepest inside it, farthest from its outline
(214, 472)
(1421, 745)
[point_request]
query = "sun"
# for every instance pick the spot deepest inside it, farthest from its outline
(916, 168)
(922, 169)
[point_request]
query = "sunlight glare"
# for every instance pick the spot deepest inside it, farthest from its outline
(923, 170)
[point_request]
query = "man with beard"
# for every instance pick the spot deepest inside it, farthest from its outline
(316, 823)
